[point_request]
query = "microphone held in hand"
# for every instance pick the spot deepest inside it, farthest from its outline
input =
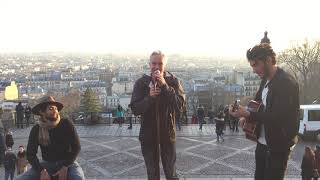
(156, 74)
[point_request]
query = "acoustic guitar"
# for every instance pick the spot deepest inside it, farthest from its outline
(250, 126)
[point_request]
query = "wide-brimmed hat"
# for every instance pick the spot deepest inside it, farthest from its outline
(44, 101)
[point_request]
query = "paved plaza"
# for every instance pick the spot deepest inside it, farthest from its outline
(112, 152)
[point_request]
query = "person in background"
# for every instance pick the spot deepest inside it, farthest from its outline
(219, 126)
(317, 157)
(9, 163)
(200, 113)
(22, 161)
(120, 115)
(308, 164)
(2, 143)
(20, 112)
(129, 116)
(27, 115)
(9, 138)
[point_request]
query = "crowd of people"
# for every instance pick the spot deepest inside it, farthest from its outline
(11, 161)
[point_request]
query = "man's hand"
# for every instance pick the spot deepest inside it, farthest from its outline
(62, 173)
(159, 78)
(239, 112)
(44, 175)
(154, 92)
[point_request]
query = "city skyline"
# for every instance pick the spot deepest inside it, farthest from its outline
(209, 28)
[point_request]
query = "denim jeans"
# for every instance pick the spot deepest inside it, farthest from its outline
(75, 172)
(8, 174)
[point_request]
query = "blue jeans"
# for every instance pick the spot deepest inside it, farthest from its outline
(75, 172)
(8, 174)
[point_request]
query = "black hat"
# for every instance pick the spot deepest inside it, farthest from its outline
(44, 101)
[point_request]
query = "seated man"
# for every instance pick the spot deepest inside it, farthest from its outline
(59, 144)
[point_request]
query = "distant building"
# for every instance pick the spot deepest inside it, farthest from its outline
(251, 85)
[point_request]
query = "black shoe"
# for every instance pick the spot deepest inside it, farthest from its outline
(129, 127)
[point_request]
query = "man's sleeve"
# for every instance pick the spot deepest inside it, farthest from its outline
(139, 101)
(175, 94)
(75, 145)
(32, 149)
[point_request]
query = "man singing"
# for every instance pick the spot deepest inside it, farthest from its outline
(278, 122)
(157, 98)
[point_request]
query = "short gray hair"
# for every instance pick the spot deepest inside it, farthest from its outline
(158, 53)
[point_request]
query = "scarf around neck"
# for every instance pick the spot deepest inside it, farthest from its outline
(44, 126)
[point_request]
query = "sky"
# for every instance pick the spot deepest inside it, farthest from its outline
(191, 27)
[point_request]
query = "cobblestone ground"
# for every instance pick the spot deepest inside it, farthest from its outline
(112, 152)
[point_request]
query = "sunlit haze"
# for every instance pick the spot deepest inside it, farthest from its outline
(191, 27)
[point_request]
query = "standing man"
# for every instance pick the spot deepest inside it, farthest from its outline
(59, 144)
(2, 143)
(27, 115)
(20, 112)
(157, 98)
(200, 113)
(129, 116)
(279, 120)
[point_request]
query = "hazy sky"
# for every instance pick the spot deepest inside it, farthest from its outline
(208, 27)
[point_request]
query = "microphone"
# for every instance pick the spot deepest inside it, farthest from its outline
(156, 72)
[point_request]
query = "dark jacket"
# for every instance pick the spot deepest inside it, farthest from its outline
(281, 114)
(307, 167)
(9, 140)
(64, 145)
(200, 112)
(10, 160)
(171, 100)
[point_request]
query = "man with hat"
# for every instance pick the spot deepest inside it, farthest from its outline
(59, 143)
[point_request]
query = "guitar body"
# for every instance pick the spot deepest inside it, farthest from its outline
(250, 126)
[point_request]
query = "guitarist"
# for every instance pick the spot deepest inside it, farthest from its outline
(279, 120)
(157, 98)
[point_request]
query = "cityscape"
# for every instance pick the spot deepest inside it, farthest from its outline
(73, 101)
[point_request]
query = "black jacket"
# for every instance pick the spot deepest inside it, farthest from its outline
(10, 160)
(171, 101)
(64, 145)
(307, 167)
(9, 140)
(281, 115)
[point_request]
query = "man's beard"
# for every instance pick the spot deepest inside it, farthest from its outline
(266, 72)
(52, 119)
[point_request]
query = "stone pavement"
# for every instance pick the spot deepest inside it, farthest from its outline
(112, 152)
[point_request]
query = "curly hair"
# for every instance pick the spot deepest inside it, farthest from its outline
(261, 52)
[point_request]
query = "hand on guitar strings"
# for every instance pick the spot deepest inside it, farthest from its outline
(239, 112)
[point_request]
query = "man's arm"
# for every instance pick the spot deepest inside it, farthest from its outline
(32, 149)
(140, 102)
(175, 94)
(75, 145)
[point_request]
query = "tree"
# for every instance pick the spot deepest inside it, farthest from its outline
(70, 100)
(301, 60)
(90, 105)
